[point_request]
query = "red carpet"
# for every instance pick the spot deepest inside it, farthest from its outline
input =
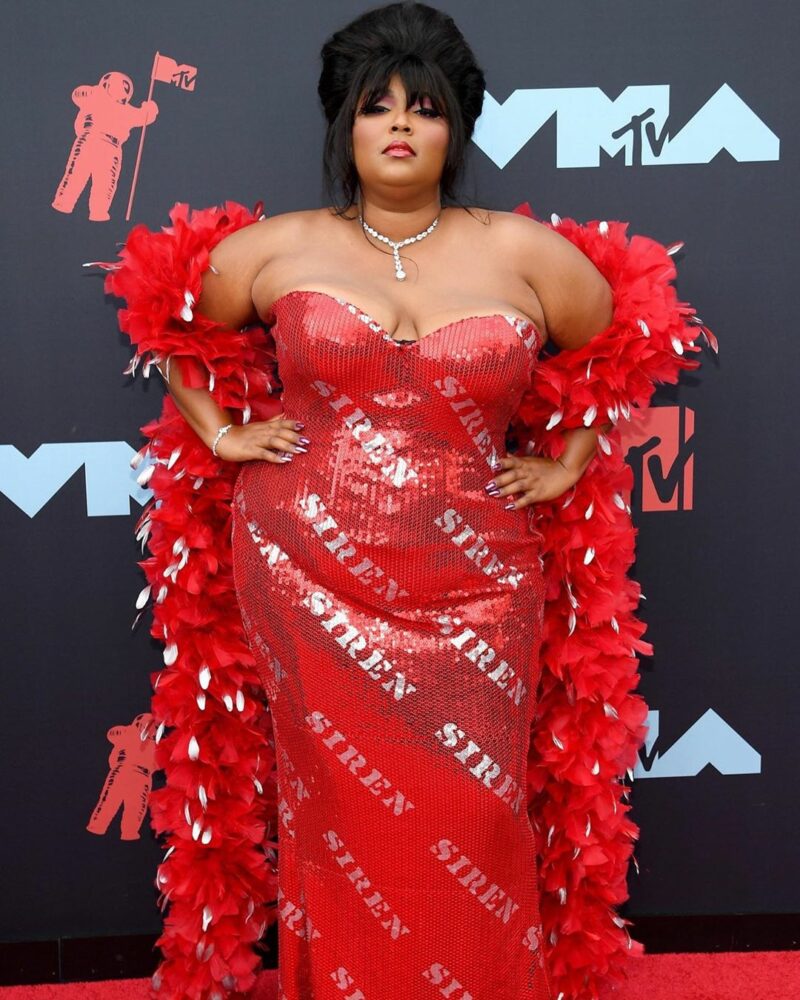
(755, 975)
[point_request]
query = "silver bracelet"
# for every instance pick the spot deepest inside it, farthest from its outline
(220, 435)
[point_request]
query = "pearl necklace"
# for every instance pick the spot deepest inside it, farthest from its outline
(399, 273)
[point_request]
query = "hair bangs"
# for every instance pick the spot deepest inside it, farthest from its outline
(420, 81)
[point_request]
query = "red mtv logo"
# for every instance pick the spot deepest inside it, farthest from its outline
(660, 451)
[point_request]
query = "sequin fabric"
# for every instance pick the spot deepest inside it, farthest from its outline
(395, 610)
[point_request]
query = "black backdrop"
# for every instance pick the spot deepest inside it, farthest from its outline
(714, 793)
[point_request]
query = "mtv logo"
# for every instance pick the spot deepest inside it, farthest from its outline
(635, 124)
(659, 447)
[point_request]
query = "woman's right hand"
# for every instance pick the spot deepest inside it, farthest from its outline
(272, 440)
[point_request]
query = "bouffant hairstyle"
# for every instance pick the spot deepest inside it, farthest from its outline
(427, 50)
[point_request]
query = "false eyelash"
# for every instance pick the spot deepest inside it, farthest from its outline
(428, 112)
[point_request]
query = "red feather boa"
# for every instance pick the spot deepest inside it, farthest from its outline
(217, 809)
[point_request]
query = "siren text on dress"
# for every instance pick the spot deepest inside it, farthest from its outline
(394, 610)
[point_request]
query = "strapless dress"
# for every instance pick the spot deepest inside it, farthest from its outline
(395, 612)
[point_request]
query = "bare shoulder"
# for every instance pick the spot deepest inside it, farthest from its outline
(254, 245)
(524, 235)
(576, 298)
(521, 239)
(238, 259)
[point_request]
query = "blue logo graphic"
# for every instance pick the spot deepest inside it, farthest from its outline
(638, 122)
(110, 481)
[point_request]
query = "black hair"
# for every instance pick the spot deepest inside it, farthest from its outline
(425, 47)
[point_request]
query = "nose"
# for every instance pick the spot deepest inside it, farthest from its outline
(401, 121)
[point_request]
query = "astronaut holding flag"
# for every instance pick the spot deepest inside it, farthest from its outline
(102, 126)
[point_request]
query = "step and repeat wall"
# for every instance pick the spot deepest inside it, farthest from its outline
(655, 114)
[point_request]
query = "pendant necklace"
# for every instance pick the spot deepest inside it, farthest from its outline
(399, 273)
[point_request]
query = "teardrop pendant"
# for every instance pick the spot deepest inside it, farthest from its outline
(399, 273)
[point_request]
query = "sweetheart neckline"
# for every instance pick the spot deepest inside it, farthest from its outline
(406, 343)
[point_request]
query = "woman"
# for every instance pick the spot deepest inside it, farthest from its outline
(440, 654)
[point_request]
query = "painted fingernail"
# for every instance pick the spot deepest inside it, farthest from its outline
(509, 505)
(304, 440)
(286, 457)
(495, 492)
(495, 465)
(298, 448)
(299, 426)
(490, 484)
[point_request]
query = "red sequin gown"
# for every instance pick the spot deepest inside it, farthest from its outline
(395, 611)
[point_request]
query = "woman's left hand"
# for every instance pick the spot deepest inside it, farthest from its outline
(535, 478)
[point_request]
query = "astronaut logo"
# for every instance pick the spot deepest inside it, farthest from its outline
(127, 785)
(102, 126)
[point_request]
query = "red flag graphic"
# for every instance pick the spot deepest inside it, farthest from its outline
(167, 70)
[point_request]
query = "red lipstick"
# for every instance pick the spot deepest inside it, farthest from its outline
(397, 148)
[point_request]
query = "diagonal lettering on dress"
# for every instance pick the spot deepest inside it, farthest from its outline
(373, 900)
(493, 898)
(482, 654)
(343, 980)
(485, 770)
(289, 779)
(364, 569)
(437, 974)
(378, 447)
(373, 780)
(352, 640)
(478, 550)
(295, 918)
